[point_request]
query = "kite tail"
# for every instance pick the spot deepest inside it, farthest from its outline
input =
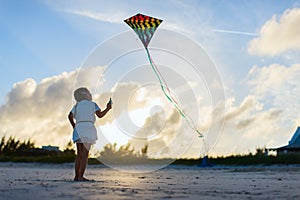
(163, 85)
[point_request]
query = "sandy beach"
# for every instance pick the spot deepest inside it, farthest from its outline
(54, 181)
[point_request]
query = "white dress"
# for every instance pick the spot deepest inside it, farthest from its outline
(84, 114)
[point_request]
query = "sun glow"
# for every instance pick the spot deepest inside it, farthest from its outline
(122, 129)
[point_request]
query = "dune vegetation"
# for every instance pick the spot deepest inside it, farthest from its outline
(15, 150)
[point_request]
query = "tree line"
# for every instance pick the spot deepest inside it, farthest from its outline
(15, 150)
(12, 149)
(13, 146)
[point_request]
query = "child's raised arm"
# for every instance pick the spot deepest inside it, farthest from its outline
(100, 113)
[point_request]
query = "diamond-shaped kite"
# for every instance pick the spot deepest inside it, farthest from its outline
(145, 26)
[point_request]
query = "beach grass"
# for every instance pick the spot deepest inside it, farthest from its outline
(14, 150)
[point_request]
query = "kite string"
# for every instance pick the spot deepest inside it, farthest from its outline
(165, 83)
(160, 77)
(169, 97)
(162, 86)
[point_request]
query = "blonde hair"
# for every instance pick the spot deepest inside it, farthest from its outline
(81, 94)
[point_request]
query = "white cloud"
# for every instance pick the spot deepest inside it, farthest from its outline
(116, 17)
(277, 81)
(278, 87)
(248, 125)
(267, 116)
(278, 35)
(39, 110)
(246, 106)
(164, 134)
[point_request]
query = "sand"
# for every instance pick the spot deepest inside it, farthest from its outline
(54, 181)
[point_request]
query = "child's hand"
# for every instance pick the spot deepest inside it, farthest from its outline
(109, 104)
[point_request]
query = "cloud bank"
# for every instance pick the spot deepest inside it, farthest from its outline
(249, 124)
(278, 35)
(39, 110)
(265, 117)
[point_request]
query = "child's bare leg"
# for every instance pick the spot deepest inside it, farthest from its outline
(83, 161)
(78, 160)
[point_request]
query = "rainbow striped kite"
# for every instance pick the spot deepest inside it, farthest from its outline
(145, 26)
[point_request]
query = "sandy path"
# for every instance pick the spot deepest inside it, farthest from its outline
(43, 181)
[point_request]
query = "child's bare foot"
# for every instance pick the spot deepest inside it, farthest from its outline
(76, 178)
(82, 179)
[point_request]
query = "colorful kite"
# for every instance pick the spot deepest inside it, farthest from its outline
(145, 26)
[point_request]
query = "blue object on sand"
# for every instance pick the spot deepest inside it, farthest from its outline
(205, 162)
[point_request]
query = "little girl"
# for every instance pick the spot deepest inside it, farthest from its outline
(84, 131)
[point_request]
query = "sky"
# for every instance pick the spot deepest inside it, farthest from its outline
(247, 53)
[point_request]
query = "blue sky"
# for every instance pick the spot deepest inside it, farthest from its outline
(41, 40)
